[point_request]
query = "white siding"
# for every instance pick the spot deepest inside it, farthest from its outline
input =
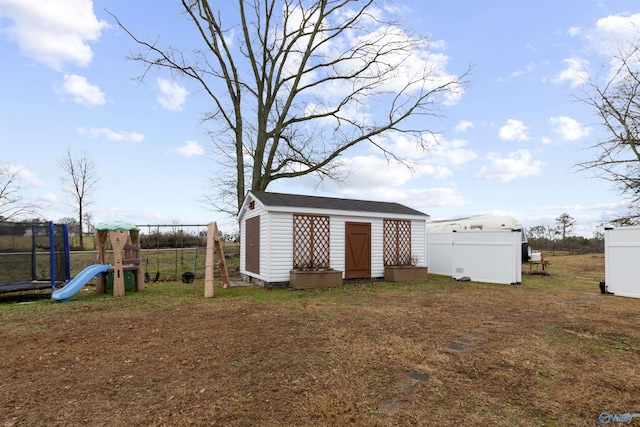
(418, 242)
(276, 249)
(377, 247)
(336, 243)
(276, 239)
(622, 253)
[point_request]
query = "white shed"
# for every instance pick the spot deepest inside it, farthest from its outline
(280, 232)
(622, 253)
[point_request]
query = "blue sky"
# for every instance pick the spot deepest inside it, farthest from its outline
(508, 145)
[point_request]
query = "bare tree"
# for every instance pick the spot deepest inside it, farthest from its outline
(617, 104)
(12, 204)
(565, 225)
(79, 181)
(294, 84)
(543, 232)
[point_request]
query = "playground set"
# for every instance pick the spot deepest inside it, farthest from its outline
(160, 242)
(118, 268)
(126, 264)
(123, 237)
(33, 256)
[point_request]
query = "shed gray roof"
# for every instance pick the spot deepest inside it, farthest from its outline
(301, 201)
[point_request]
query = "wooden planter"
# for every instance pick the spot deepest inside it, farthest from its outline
(403, 273)
(300, 279)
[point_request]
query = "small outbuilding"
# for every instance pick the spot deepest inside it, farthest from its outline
(281, 233)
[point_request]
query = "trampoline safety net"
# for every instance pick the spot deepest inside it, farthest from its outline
(25, 252)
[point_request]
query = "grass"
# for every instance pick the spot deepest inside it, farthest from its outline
(553, 351)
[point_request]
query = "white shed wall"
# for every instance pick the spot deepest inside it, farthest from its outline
(276, 242)
(419, 242)
(276, 247)
(377, 247)
(622, 256)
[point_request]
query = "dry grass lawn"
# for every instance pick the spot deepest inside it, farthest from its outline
(551, 352)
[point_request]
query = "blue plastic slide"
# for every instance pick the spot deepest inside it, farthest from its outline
(79, 281)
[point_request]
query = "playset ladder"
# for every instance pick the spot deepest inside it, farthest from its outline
(214, 243)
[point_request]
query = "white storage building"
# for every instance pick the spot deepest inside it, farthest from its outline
(280, 232)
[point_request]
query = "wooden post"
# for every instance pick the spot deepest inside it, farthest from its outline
(101, 283)
(222, 262)
(209, 263)
(214, 243)
(118, 240)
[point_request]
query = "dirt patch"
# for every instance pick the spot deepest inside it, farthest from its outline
(550, 352)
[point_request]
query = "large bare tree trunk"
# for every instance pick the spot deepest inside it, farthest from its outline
(293, 84)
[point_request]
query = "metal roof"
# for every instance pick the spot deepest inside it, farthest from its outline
(316, 202)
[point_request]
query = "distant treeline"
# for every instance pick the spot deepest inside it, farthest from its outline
(572, 244)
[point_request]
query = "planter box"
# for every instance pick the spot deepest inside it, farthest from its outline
(397, 273)
(315, 279)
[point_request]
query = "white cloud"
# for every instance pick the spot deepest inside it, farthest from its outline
(418, 198)
(516, 165)
(437, 196)
(463, 126)
(374, 171)
(23, 174)
(49, 199)
(527, 70)
(441, 152)
(373, 176)
(574, 31)
(190, 148)
(81, 91)
(111, 135)
(423, 199)
(54, 31)
(614, 33)
(616, 36)
(514, 130)
(172, 96)
(575, 72)
(569, 128)
(452, 152)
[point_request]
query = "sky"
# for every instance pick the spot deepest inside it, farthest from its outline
(508, 145)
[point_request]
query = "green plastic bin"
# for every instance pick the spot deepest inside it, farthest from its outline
(129, 281)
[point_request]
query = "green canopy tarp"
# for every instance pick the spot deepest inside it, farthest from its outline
(117, 225)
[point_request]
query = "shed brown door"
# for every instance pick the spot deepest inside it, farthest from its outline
(358, 250)
(252, 248)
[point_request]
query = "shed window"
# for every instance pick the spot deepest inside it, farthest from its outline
(310, 241)
(397, 242)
